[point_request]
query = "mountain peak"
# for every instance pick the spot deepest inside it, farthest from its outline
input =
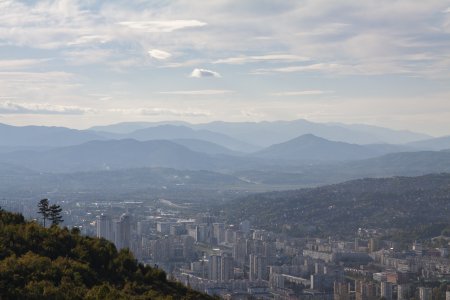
(311, 147)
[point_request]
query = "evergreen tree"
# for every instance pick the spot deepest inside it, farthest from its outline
(43, 209)
(55, 214)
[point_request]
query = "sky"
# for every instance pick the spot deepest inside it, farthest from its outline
(83, 63)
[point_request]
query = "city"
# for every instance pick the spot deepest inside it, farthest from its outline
(238, 261)
(226, 149)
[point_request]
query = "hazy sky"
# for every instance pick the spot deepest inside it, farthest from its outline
(80, 63)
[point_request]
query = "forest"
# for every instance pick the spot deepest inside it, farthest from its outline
(57, 263)
(414, 207)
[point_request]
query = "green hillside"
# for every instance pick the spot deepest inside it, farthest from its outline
(57, 263)
(397, 203)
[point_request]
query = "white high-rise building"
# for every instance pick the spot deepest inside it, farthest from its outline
(226, 267)
(104, 227)
(240, 251)
(219, 232)
(214, 267)
(258, 268)
(123, 232)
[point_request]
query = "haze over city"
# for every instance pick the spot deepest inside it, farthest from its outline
(224, 149)
(85, 63)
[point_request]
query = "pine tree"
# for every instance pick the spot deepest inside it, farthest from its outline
(43, 209)
(55, 214)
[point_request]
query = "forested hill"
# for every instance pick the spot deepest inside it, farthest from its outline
(340, 209)
(55, 263)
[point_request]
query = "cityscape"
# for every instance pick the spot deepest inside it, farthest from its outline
(226, 149)
(239, 261)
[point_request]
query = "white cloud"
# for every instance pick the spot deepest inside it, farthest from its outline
(252, 114)
(40, 109)
(172, 112)
(317, 38)
(158, 111)
(302, 93)
(58, 88)
(327, 29)
(162, 26)
(261, 58)
(199, 73)
(15, 64)
(365, 68)
(90, 39)
(88, 56)
(198, 92)
(187, 63)
(101, 97)
(159, 54)
(313, 67)
(34, 77)
(364, 30)
(49, 24)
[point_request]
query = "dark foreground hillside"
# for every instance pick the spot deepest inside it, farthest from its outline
(55, 263)
(398, 203)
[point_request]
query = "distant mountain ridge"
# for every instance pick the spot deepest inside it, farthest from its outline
(94, 163)
(389, 136)
(204, 146)
(112, 154)
(129, 127)
(266, 133)
(242, 137)
(436, 144)
(32, 136)
(393, 164)
(309, 147)
(170, 132)
(323, 161)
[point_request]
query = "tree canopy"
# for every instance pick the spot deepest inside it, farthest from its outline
(43, 209)
(54, 214)
(58, 263)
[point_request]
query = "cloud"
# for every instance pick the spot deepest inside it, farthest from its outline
(36, 76)
(294, 27)
(162, 26)
(312, 67)
(306, 40)
(187, 63)
(158, 111)
(15, 64)
(302, 93)
(261, 58)
(327, 29)
(49, 24)
(252, 114)
(88, 56)
(199, 73)
(198, 92)
(172, 112)
(368, 68)
(90, 39)
(40, 109)
(159, 54)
